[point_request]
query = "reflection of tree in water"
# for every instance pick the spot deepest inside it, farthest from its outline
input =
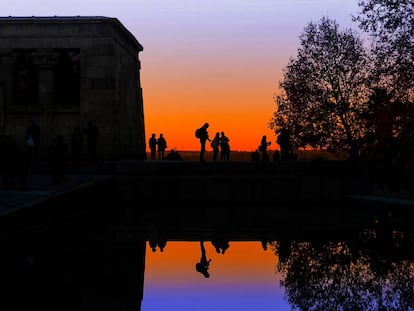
(371, 274)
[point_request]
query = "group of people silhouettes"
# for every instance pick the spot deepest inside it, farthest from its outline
(157, 243)
(261, 153)
(220, 145)
(157, 145)
(285, 152)
(160, 145)
(16, 159)
(220, 243)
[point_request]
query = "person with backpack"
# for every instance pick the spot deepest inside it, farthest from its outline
(202, 134)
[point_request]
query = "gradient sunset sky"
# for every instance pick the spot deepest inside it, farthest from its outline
(216, 61)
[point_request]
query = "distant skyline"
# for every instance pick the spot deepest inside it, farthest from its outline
(206, 61)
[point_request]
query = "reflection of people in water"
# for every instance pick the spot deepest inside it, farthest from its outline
(220, 244)
(265, 242)
(160, 243)
(153, 245)
(204, 264)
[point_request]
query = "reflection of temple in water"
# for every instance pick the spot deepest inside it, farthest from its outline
(65, 71)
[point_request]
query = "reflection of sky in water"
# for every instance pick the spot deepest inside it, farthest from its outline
(244, 278)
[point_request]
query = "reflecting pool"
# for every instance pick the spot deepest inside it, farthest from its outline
(355, 254)
(245, 277)
(364, 268)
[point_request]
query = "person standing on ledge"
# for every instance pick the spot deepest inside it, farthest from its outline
(202, 135)
(283, 139)
(162, 146)
(152, 142)
(263, 148)
(215, 144)
(225, 148)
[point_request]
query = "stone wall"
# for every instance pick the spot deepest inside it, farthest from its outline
(65, 71)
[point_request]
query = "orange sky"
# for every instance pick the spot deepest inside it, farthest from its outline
(204, 60)
(223, 97)
(222, 64)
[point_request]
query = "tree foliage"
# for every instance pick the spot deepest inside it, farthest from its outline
(391, 24)
(360, 275)
(323, 91)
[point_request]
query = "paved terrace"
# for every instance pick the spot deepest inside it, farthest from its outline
(178, 182)
(40, 187)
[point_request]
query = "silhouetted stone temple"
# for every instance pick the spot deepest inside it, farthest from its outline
(63, 72)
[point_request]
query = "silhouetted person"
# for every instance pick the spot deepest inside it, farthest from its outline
(204, 264)
(162, 146)
(202, 135)
(56, 156)
(32, 140)
(263, 148)
(152, 143)
(224, 148)
(283, 139)
(174, 156)
(215, 145)
(255, 156)
(264, 243)
(153, 245)
(162, 243)
(92, 135)
(76, 145)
